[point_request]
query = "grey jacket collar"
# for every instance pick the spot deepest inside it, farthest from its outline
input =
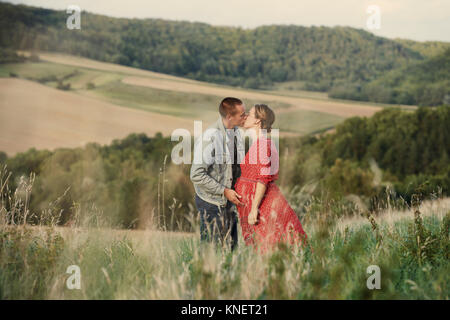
(237, 132)
(221, 126)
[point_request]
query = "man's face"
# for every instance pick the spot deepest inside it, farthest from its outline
(238, 119)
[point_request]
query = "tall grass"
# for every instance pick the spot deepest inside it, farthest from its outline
(412, 253)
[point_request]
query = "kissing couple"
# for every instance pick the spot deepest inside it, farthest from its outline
(226, 181)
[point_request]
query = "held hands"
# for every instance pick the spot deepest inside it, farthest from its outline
(233, 196)
(253, 216)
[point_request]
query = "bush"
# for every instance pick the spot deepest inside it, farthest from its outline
(3, 157)
(49, 78)
(346, 91)
(34, 57)
(62, 86)
(346, 177)
(8, 55)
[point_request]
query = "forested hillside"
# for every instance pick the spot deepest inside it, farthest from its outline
(340, 60)
(421, 83)
(134, 178)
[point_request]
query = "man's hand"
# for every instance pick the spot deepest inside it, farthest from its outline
(233, 196)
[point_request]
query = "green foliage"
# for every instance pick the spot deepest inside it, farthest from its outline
(8, 55)
(402, 143)
(33, 264)
(3, 157)
(346, 177)
(412, 253)
(62, 86)
(322, 58)
(123, 180)
(426, 48)
(382, 160)
(129, 196)
(114, 268)
(424, 83)
(27, 262)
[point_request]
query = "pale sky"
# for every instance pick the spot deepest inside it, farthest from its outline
(422, 20)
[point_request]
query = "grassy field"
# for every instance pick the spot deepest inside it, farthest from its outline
(311, 121)
(411, 248)
(52, 117)
(176, 103)
(116, 264)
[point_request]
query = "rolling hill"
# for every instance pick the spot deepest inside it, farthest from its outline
(34, 113)
(314, 58)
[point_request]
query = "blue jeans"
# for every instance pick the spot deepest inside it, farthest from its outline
(217, 223)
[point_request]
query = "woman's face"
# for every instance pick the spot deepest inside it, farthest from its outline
(251, 121)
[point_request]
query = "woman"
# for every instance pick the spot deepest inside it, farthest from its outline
(266, 217)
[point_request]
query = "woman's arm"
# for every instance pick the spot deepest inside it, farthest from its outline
(259, 194)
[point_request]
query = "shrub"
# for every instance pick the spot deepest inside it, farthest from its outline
(62, 86)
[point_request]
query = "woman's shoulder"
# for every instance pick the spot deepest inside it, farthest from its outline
(264, 139)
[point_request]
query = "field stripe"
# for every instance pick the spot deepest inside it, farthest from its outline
(173, 83)
(34, 115)
(329, 107)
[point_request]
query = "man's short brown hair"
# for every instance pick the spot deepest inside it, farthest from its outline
(228, 106)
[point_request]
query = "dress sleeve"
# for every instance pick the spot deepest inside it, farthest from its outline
(268, 162)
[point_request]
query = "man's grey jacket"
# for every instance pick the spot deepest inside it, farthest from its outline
(211, 171)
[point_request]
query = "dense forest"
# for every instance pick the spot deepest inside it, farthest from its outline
(383, 159)
(422, 83)
(346, 62)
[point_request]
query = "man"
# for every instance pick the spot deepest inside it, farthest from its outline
(222, 149)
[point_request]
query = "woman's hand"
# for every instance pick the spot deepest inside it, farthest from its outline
(253, 216)
(259, 194)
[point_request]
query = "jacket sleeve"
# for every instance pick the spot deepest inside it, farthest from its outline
(200, 177)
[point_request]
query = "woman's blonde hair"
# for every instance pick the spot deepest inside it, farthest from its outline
(265, 115)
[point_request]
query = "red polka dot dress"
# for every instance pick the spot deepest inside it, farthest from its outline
(277, 221)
